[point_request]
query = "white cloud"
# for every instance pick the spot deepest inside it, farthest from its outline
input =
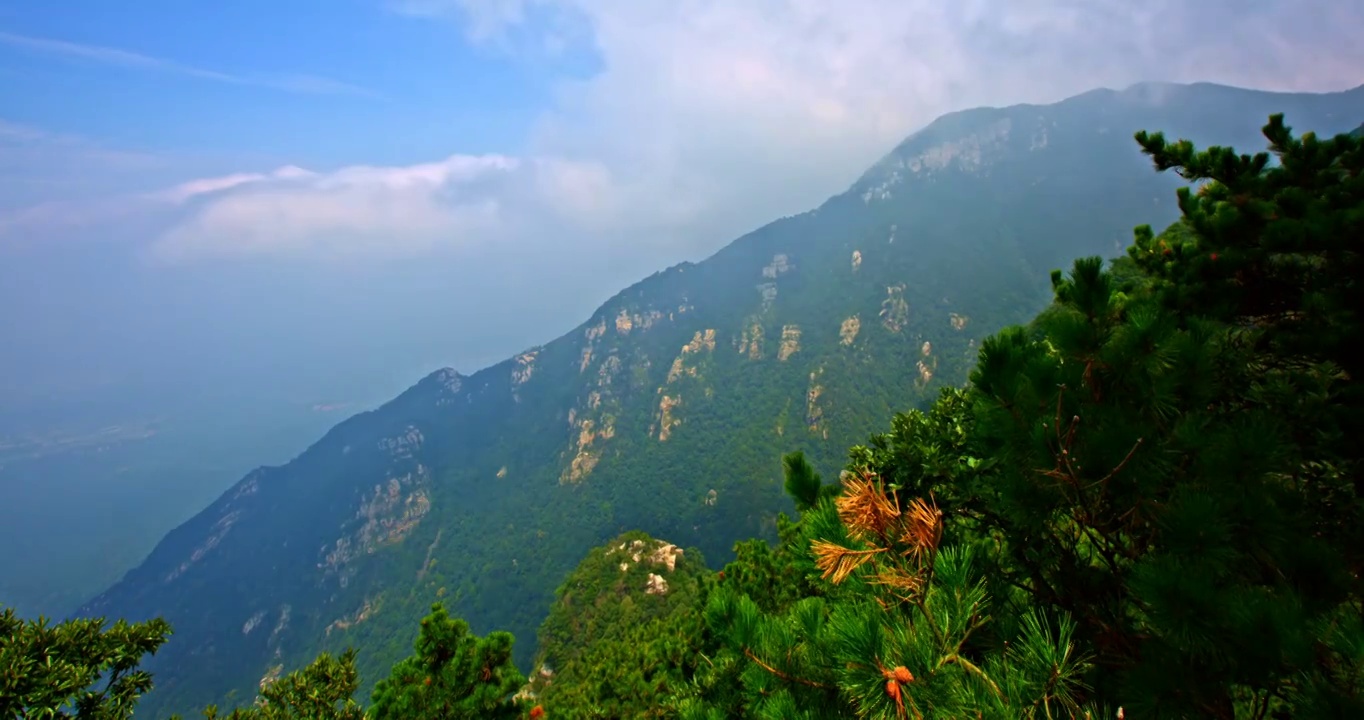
(204, 186)
(460, 201)
(400, 209)
(709, 117)
(773, 104)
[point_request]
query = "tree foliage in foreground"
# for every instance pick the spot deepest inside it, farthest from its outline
(321, 691)
(896, 636)
(78, 668)
(453, 675)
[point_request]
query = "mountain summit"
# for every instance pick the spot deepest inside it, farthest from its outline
(668, 409)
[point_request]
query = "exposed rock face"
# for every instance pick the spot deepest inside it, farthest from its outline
(656, 552)
(780, 265)
(814, 413)
(362, 614)
(925, 371)
(968, 155)
(895, 309)
(656, 585)
(587, 456)
(751, 341)
(701, 342)
(523, 369)
(666, 420)
(666, 554)
(790, 342)
(847, 331)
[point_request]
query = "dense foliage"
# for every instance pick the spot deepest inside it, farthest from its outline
(1148, 498)
(623, 630)
(453, 674)
(77, 669)
(320, 691)
(896, 634)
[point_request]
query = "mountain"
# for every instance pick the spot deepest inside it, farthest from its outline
(630, 597)
(668, 409)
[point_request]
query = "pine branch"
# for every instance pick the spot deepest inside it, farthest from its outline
(922, 530)
(1117, 469)
(837, 562)
(748, 653)
(972, 668)
(921, 603)
(911, 585)
(865, 509)
(1068, 472)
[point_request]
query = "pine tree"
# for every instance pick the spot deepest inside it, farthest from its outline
(1273, 240)
(1174, 462)
(1270, 244)
(770, 576)
(1167, 454)
(78, 668)
(321, 691)
(892, 637)
(452, 675)
(802, 483)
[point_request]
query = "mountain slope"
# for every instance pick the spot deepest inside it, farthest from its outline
(617, 632)
(668, 409)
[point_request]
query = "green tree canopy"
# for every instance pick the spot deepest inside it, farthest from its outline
(78, 668)
(452, 675)
(893, 635)
(321, 691)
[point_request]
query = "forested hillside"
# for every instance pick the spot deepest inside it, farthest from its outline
(668, 410)
(1145, 503)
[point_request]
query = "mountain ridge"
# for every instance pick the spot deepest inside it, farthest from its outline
(818, 323)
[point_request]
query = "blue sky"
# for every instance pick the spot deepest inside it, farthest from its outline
(331, 197)
(398, 89)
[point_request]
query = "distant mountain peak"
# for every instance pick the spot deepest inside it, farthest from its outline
(964, 143)
(449, 380)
